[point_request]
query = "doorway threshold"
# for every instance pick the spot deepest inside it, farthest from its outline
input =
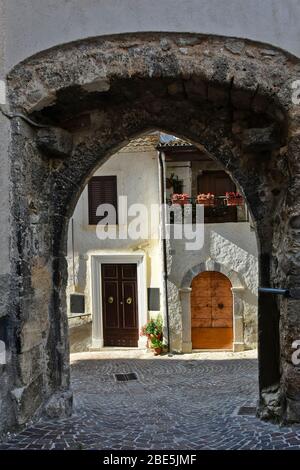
(116, 348)
(211, 350)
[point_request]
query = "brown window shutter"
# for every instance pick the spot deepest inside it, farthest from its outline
(101, 190)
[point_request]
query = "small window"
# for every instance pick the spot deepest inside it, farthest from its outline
(101, 190)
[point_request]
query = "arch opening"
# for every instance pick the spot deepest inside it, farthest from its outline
(92, 103)
(212, 311)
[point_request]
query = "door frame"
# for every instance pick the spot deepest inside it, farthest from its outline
(96, 290)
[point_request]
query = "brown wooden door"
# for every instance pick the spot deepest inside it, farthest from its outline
(119, 300)
(218, 183)
(211, 308)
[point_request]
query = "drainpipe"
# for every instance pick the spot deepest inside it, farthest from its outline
(161, 161)
(73, 251)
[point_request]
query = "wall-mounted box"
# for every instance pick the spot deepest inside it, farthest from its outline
(154, 299)
(77, 303)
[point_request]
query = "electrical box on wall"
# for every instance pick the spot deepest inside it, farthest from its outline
(154, 299)
(77, 303)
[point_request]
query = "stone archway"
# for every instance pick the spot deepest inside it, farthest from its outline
(90, 98)
(237, 295)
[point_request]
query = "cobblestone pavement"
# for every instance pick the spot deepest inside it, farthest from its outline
(179, 402)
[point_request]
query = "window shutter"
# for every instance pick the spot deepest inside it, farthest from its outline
(101, 190)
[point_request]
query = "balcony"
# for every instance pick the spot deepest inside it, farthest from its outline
(217, 209)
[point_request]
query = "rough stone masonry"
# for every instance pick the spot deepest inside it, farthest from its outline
(228, 96)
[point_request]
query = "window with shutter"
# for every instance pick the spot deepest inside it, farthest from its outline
(101, 190)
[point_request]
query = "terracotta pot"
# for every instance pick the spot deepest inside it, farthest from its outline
(206, 202)
(234, 201)
(157, 351)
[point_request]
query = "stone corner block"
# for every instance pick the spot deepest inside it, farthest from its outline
(292, 411)
(54, 142)
(187, 347)
(60, 405)
(261, 139)
(270, 406)
(238, 346)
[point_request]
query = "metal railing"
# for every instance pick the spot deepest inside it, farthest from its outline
(217, 209)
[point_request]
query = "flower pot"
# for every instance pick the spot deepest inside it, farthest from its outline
(157, 351)
(206, 199)
(206, 202)
(235, 201)
(180, 199)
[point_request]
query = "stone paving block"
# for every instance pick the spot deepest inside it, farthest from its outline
(168, 413)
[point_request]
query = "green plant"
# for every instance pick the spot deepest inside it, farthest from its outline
(154, 327)
(154, 332)
(175, 182)
(156, 343)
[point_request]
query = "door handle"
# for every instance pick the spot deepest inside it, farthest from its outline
(110, 300)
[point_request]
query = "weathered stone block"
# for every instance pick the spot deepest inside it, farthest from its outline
(261, 139)
(270, 407)
(60, 405)
(54, 142)
(31, 364)
(27, 400)
(4, 294)
(294, 293)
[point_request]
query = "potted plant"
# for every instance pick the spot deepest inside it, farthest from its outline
(234, 199)
(174, 182)
(154, 332)
(157, 345)
(181, 199)
(207, 199)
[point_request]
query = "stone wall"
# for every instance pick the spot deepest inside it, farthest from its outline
(231, 248)
(34, 26)
(232, 97)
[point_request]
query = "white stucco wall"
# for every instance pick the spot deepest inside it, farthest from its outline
(231, 244)
(35, 25)
(234, 247)
(143, 188)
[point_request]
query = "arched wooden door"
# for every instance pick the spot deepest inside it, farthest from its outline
(212, 314)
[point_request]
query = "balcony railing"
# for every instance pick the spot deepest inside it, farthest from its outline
(217, 209)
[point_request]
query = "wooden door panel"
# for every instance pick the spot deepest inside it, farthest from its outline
(221, 323)
(120, 317)
(128, 271)
(221, 304)
(201, 312)
(212, 338)
(110, 303)
(218, 183)
(202, 323)
(109, 271)
(202, 298)
(223, 311)
(129, 309)
(211, 310)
